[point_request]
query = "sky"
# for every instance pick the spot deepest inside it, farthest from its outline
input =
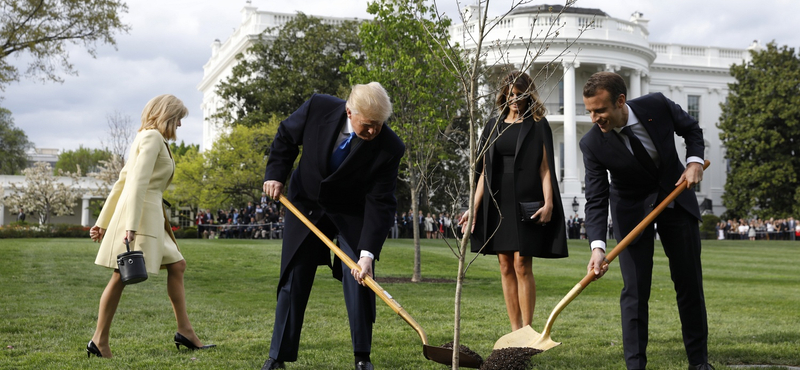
(170, 41)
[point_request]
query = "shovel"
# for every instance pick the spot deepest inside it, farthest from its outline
(433, 353)
(527, 337)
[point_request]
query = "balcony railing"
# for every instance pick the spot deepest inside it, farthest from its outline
(558, 109)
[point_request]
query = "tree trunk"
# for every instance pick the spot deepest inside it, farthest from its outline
(457, 310)
(413, 185)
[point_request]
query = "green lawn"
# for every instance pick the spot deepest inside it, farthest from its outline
(50, 290)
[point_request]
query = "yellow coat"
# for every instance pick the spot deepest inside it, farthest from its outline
(135, 203)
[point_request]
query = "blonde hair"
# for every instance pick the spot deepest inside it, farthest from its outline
(163, 113)
(370, 100)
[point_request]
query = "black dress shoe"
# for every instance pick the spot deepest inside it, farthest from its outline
(364, 365)
(272, 364)
(180, 340)
(701, 367)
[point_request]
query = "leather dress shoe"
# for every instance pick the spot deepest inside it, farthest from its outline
(701, 367)
(272, 364)
(364, 365)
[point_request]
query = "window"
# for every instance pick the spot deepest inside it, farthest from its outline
(693, 106)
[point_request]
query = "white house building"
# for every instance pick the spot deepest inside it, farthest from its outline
(696, 77)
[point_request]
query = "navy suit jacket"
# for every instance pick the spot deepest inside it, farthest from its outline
(358, 197)
(633, 191)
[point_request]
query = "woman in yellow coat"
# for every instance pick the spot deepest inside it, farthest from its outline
(134, 211)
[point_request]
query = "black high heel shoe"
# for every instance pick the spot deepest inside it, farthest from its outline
(180, 340)
(91, 349)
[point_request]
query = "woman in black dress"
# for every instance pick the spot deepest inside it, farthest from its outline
(516, 167)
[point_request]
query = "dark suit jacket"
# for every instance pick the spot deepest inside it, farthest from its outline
(633, 192)
(358, 198)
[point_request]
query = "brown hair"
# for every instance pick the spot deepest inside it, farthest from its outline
(163, 113)
(523, 83)
(608, 81)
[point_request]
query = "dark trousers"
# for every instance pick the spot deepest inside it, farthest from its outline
(293, 298)
(680, 236)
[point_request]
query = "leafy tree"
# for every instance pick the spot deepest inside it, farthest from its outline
(188, 185)
(276, 75)
(179, 150)
(43, 194)
(43, 28)
(760, 128)
(425, 100)
(13, 144)
(230, 173)
(87, 159)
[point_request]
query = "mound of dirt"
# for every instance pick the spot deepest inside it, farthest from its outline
(512, 358)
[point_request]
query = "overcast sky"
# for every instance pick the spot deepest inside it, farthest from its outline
(170, 40)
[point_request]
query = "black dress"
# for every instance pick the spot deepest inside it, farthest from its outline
(505, 238)
(512, 176)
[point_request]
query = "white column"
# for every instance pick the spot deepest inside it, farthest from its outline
(635, 90)
(85, 211)
(2, 214)
(645, 83)
(572, 185)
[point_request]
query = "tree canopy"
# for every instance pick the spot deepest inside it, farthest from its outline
(400, 52)
(182, 148)
(278, 73)
(760, 129)
(44, 28)
(13, 144)
(43, 194)
(228, 174)
(89, 160)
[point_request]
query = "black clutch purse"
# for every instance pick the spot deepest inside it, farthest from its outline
(527, 209)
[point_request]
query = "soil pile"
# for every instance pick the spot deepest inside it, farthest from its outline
(512, 358)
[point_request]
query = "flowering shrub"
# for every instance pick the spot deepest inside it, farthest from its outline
(23, 229)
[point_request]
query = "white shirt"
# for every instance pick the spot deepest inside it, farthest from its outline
(347, 128)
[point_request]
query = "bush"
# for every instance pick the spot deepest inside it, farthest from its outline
(708, 230)
(28, 230)
(186, 233)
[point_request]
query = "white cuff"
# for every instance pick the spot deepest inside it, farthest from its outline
(599, 244)
(367, 254)
(694, 159)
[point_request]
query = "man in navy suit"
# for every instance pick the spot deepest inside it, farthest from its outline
(345, 185)
(634, 142)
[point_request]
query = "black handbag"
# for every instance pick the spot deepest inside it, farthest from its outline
(527, 209)
(131, 266)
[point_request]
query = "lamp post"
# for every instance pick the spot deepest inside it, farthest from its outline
(575, 204)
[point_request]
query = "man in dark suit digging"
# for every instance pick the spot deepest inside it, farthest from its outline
(634, 142)
(345, 185)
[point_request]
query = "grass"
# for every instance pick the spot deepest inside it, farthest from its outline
(50, 290)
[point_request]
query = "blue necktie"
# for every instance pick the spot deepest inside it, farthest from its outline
(341, 152)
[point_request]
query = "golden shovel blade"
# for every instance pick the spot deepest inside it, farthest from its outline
(525, 337)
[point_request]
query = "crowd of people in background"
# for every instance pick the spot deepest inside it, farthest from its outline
(265, 221)
(261, 221)
(430, 225)
(756, 229)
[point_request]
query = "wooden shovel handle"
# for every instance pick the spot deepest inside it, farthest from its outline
(639, 228)
(371, 283)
